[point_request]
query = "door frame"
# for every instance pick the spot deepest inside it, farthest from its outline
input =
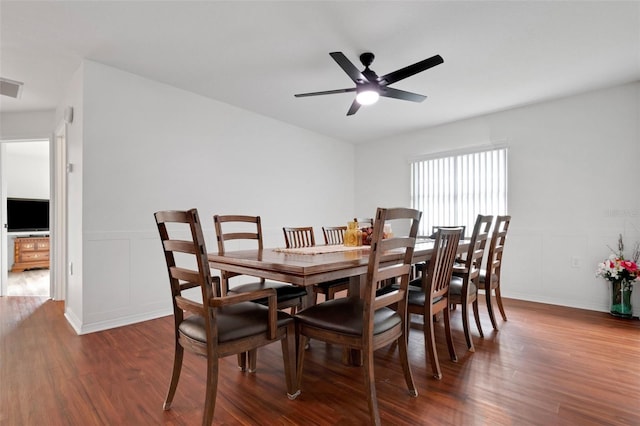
(4, 237)
(58, 213)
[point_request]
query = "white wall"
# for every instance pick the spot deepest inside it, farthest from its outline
(27, 169)
(573, 177)
(146, 146)
(27, 125)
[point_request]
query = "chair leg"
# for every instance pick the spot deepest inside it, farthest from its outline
(476, 315)
(430, 343)
(211, 390)
(302, 342)
(252, 360)
(289, 358)
(242, 361)
(492, 316)
(175, 376)
(447, 330)
(465, 326)
(499, 302)
(406, 367)
(370, 385)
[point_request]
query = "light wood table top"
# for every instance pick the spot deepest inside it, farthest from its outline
(309, 269)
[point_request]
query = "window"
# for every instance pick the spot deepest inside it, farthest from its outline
(454, 189)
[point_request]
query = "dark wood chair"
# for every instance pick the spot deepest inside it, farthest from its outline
(219, 326)
(494, 267)
(333, 235)
(432, 297)
(368, 323)
(296, 237)
(366, 225)
(238, 228)
(364, 222)
(464, 283)
(249, 228)
(435, 228)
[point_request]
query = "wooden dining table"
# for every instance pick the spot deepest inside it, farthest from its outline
(314, 265)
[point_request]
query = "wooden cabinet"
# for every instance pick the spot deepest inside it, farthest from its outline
(30, 252)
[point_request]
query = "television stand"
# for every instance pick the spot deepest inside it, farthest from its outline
(30, 253)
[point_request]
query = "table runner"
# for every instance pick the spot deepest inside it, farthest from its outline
(320, 249)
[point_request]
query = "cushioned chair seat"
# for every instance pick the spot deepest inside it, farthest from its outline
(482, 278)
(234, 322)
(415, 297)
(284, 292)
(416, 283)
(345, 316)
(455, 288)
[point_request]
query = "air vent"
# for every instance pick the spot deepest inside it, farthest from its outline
(10, 88)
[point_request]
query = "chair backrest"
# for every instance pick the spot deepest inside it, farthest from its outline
(440, 266)
(299, 237)
(496, 245)
(377, 271)
(364, 222)
(333, 235)
(236, 228)
(252, 231)
(182, 273)
(435, 228)
(477, 245)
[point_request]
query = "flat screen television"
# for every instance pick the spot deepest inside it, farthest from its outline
(27, 215)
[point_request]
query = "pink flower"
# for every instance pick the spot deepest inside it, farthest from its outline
(629, 266)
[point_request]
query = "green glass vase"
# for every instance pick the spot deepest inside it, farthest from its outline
(621, 299)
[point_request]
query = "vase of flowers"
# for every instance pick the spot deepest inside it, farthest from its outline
(622, 273)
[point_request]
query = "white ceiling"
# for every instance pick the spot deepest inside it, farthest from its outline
(256, 55)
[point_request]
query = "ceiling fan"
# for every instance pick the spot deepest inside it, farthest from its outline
(369, 86)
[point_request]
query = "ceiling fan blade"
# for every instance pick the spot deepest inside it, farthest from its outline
(326, 92)
(390, 92)
(355, 106)
(410, 70)
(348, 67)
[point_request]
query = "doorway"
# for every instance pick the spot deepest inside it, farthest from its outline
(25, 249)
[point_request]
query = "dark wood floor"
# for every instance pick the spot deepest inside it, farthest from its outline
(547, 365)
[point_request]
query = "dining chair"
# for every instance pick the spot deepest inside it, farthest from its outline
(296, 237)
(366, 225)
(333, 235)
(248, 229)
(494, 267)
(364, 222)
(218, 326)
(432, 297)
(436, 227)
(464, 283)
(288, 295)
(368, 323)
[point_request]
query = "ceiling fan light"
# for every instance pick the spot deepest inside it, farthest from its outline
(367, 97)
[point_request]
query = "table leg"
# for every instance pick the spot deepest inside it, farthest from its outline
(310, 299)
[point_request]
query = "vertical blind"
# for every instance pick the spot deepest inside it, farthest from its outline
(453, 190)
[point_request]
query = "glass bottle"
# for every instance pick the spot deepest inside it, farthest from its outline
(351, 235)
